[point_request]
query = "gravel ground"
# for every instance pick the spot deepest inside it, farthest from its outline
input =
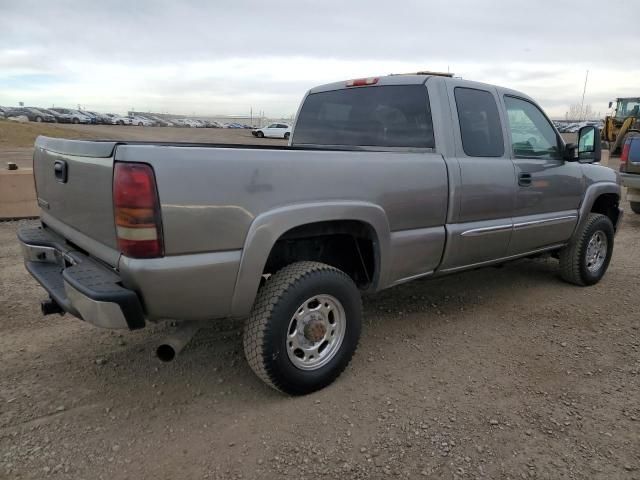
(496, 373)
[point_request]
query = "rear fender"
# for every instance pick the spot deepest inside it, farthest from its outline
(267, 228)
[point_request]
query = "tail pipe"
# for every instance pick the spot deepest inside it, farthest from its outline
(174, 343)
(50, 306)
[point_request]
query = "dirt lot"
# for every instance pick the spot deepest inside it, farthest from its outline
(497, 373)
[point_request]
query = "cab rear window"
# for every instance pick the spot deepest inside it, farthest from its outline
(384, 116)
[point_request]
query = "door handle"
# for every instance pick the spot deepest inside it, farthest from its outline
(524, 179)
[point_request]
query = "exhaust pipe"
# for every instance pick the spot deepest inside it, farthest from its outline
(175, 342)
(50, 306)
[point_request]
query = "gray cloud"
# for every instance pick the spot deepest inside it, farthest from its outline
(500, 39)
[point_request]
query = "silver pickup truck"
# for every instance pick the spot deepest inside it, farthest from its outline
(384, 180)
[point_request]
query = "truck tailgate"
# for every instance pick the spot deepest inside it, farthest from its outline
(74, 186)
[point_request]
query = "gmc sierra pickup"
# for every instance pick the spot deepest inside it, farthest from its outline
(384, 180)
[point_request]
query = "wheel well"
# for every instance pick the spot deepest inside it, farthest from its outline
(348, 245)
(607, 204)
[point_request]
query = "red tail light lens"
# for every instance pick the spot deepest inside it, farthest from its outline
(137, 210)
(624, 157)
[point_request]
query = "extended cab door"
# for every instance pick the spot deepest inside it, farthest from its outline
(549, 189)
(480, 225)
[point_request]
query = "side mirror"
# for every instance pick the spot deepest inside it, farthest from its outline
(610, 104)
(589, 148)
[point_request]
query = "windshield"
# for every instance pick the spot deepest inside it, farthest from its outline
(628, 108)
(386, 116)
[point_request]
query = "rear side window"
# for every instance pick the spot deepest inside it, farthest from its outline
(385, 116)
(480, 126)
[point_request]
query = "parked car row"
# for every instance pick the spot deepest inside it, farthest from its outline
(574, 127)
(68, 115)
(88, 117)
(63, 115)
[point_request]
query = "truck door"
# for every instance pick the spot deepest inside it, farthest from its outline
(549, 189)
(480, 226)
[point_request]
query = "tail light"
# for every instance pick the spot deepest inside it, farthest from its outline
(624, 157)
(137, 210)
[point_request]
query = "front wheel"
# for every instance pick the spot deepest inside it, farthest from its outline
(260, 135)
(304, 327)
(287, 135)
(39, 119)
(76, 121)
(140, 124)
(586, 259)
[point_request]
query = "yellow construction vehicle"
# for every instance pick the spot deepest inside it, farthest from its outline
(625, 120)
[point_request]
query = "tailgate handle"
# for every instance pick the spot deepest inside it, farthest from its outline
(60, 171)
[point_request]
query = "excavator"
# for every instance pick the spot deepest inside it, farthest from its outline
(623, 123)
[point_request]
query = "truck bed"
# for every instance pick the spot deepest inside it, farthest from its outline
(211, 193)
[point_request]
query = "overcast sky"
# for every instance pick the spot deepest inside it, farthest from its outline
(224, 57)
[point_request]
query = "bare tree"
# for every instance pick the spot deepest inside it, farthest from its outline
(575, 113)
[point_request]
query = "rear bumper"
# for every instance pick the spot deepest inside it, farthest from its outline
(82, 286)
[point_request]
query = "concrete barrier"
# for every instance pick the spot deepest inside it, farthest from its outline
(17, 194)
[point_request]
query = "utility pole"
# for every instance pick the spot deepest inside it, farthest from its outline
(251, 115)
(584, 90)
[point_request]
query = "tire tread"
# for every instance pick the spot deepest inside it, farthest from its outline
(571, 256)
(268, 297)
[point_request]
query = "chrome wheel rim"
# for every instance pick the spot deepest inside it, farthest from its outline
(316, 332)
(596, 251)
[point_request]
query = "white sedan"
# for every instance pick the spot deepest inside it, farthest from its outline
(275, 130)
(141, 121)
(118, 119)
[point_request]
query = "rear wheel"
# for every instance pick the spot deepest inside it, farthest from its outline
(586, 260)
(304, 327)
(75, 120)
(635, 206)
(140, 124)
(39, 119)
(260, 135)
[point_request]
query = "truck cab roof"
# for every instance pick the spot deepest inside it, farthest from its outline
(417, 78)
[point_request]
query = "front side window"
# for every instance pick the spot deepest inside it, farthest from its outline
(480, 126)
(381, 116)
(531, 133)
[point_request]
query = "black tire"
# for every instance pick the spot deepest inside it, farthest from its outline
(287, 135)
(635, 206)
(140, 124)
(120, 122)
(39, 119)
(573, 258)
(75, 120)
(266, 332)
(259, 134)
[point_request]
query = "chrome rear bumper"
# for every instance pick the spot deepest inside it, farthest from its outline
(79, 284)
